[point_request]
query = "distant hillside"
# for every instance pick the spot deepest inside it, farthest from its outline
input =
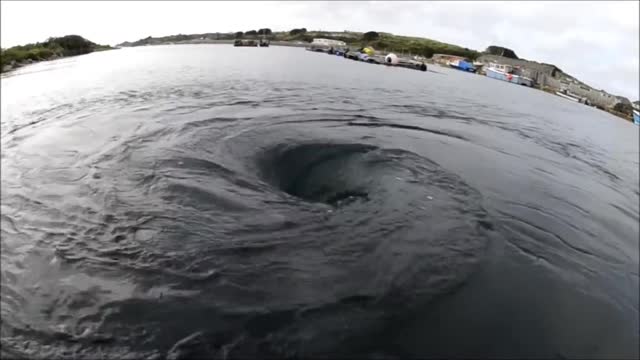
(546, 76)
(501, 51)
(54, 47)
(386, 41)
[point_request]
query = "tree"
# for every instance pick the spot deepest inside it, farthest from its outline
(251, 33)
(72, 45)
(297, 31)
(239, 35)
(501, 51)
(370, 36)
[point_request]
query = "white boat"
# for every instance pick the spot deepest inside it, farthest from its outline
(568, 97)
(505, 73)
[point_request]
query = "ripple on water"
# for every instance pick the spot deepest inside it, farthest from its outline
(266, 211)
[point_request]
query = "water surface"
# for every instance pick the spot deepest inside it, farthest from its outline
(211, 201)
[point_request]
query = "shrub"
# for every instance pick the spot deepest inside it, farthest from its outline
(370, 36)
(297, 31)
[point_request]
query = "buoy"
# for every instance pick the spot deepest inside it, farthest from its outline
(391, 59)
(369, 51)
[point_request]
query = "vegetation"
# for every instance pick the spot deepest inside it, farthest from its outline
(414, 45)
(501, 51)
(308, 36)
(297, 31)
(380, 41)
(370, 36)
(69, 45)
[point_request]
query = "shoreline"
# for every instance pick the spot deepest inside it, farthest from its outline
(272, 43)
(213, 41)
(19, 65)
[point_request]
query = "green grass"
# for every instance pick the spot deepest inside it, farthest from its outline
(54, 47)
(386, 41)
(389, 42)
(419, 46)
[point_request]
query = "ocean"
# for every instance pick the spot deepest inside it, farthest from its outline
(198, 201)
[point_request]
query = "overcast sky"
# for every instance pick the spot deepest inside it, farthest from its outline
(598, 42)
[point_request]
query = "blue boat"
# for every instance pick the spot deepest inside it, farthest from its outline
(505, 73)
(636, 117)
(464, 65)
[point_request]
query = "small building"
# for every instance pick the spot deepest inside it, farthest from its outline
(445, 59)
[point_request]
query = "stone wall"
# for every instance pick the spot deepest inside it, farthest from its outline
(530, 69)
(596, 97)
(549, 76)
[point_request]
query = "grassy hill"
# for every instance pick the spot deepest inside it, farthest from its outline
(419, 46)
(52, 48)
(390, 42)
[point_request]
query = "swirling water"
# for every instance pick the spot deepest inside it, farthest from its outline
(210, 201)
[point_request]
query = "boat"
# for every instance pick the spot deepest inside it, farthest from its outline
(464, 65)
(353, 55)
(251, 43)
(363, 56)
(412, 64)
(318, 48)
(567, 96)
(564, 93)
(636, 117)
(506, 73)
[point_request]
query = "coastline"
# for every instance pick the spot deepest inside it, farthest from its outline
(213, 41)
(299, 44)
(51, 49)
(10, 68)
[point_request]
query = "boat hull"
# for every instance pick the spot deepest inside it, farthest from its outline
(515, 79)
(463, 66)
(567, 96)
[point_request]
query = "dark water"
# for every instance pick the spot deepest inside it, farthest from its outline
(197, 201)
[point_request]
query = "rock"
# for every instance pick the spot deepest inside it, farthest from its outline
(624, 107)
(501, 51)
